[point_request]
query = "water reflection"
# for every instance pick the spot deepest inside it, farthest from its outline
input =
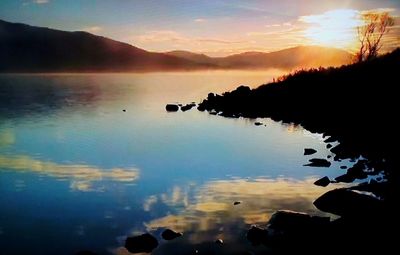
(209, 214)
(82, 175)
(213, 203)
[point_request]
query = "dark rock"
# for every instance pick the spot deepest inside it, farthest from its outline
(124, 110)
(142, 243)
(213, 112)
(319, 162)
(258, 123)
(236, 203)
(324, 181)
(169, 234)
(219, 241)
(328, 146)
(288, 221)
(309, 151)
(187, 107)
(330, 140)
(172, 108)
(346, 202)
(329, 156)
(347, 178)
(343, 167)
(257, 235)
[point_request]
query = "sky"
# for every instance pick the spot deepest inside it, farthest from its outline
(213, 27)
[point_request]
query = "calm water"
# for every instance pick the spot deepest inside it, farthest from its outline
(76, 172)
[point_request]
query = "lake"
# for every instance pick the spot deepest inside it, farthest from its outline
(79, 173)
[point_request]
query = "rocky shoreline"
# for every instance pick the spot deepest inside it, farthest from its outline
(354, 106)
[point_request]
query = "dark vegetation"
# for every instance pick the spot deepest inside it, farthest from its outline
(356, 106)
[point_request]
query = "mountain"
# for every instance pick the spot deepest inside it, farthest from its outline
(302, 56)
(195, 57)
(25, 48)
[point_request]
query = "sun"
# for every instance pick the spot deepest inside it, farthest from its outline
(336, 28)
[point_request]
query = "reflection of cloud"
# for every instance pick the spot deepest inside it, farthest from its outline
(213, 209)
(82, 175)
(41, 1)
(7, 137)
(149, 202)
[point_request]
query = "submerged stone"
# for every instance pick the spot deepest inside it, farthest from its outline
(142, 243)
(324, 181)
(169, 234)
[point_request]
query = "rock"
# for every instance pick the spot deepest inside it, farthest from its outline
(172, 108)
(236, 203)
(324, 181)
(169, 234)
(219, 241)
(258, 123)
(319, 162)
(330, 140)
(328, 146)
(343, 167)
(213, 112)
(187, 107)
(346, 202)
(290, 221)
(329, 156)
(142, 243)
(257, 235)
(345, 178)
(124, 110)
(309, 151)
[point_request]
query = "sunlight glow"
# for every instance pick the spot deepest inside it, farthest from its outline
(336, 28)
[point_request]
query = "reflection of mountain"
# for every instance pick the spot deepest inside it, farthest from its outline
(306, 56)
(34, 95)
(210, 213)
(81, 175)
(25, 48)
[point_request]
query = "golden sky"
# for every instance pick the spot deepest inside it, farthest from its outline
(217, 28)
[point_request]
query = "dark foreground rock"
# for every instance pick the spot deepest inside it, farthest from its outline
(257, 235)
(142, 243)
(169, 234)
(318, 162)
(324, 181)
(309, 151)
(347, 202)
(172, 108)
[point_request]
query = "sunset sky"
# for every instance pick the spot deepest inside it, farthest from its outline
(217, 28)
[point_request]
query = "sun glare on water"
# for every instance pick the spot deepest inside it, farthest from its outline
(336, 28)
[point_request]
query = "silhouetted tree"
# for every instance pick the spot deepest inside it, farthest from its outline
(371, 33)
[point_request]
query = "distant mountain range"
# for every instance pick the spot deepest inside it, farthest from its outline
(25, 48)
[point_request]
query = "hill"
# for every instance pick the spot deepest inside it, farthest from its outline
(297, 57)
(25, 48)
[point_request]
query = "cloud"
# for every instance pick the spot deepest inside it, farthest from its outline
(92, 29)
(41, 1)
(81, 176)
(176, 37)
(200, 20)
